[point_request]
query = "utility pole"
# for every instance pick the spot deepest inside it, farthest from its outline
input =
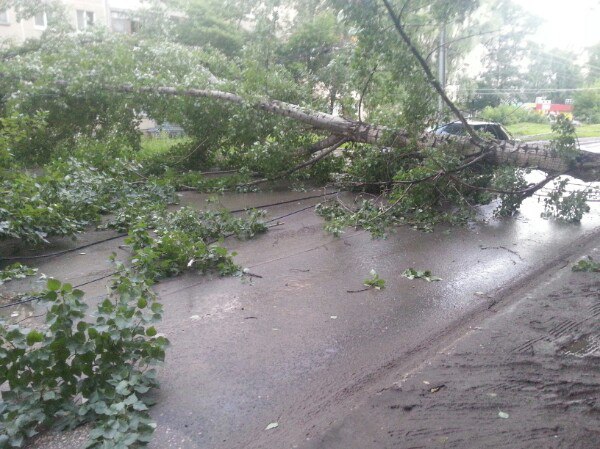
(442, 66)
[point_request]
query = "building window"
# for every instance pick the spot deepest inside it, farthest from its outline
(135, 26)
(85, 19)
(4, 17)
(41, 21)
(122, 22)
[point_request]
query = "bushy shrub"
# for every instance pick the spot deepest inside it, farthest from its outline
(510, 114)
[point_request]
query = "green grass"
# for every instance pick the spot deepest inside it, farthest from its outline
(152, 147)
(539, 131)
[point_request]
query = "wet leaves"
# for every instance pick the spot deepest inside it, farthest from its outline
(374, 281)
(16, 271)
(426, 275)
(588, 264)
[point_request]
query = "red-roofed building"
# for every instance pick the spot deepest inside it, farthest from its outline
(546, 107)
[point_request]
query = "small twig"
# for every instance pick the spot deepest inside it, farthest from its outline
(394, 204)
(359, 291)
(528, 191)
(30, 316)
(505, 249)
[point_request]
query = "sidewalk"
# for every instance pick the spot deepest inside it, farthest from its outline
(528, 377)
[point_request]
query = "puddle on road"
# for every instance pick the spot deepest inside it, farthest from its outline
(584, 347)
(223, 305)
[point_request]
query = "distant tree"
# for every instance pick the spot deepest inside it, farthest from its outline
(593, 64)
(207, 23)
(505, 51)
(587, 104)
(552, 71)
(25, 9)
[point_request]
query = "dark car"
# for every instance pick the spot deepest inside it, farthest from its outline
(166, 129)
(458, 129)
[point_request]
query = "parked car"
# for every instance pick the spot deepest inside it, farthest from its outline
(457, 129)
(166, 129)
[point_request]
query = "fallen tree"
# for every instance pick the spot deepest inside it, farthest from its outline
(586, 166)
(103, 102)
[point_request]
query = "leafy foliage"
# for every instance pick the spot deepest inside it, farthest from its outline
(588, 264)
(71, 195)
(73, 370)
(16, 271)
(187, 239)
(510, 114)
(564, 140)
(566, 207)
(587, 102)
(507, 179)
(374, 281)
(411, 273)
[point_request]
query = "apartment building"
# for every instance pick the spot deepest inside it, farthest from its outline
(81, 14)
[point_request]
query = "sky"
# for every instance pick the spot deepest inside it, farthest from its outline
(568, 24)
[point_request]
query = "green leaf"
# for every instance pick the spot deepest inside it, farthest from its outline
(34, 337)
(151, 331)
(131, 399)
(53, 285)
(411, 273)
(49, 395)
(140, 406)
(122, 388)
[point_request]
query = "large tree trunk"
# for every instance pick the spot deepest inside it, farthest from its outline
(586, 167)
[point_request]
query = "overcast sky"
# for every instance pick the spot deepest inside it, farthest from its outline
(568, 24)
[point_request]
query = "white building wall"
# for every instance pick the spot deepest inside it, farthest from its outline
(18, 31)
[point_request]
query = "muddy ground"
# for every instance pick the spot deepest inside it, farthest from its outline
(340, 369)
(527, 375)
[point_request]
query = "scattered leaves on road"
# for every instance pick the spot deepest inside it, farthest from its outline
(588, 265)
(411, 273)
(374, 281)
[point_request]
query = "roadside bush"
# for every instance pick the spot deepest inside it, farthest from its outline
(510, 114)
(587, 104)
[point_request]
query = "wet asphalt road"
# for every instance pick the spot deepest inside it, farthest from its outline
(293, 346)
(591, 144)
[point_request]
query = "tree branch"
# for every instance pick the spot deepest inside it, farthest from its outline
(430, 77)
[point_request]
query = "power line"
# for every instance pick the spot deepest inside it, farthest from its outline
(530, 89)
